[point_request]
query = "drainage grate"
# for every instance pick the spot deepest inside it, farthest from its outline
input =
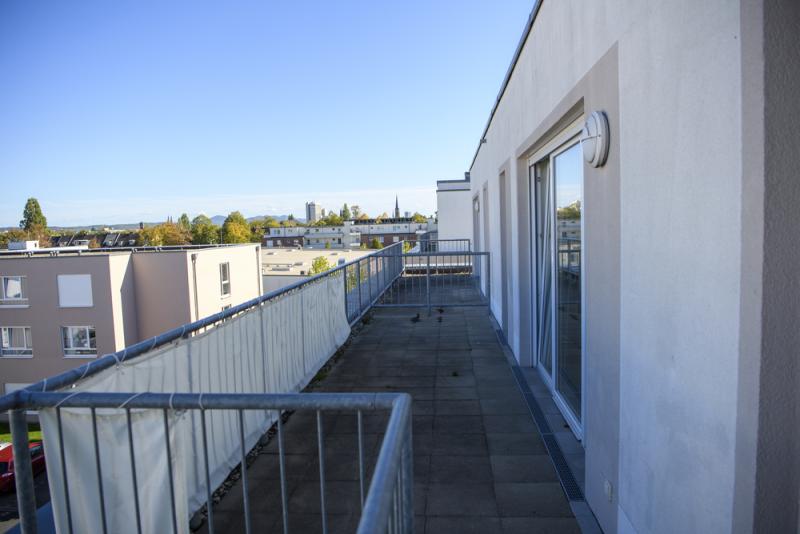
(568, 482)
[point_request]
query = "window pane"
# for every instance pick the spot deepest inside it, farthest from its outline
(569, 194)
(92, 338)
(12, 287)
(65, 337)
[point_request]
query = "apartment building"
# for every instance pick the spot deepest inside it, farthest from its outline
(669, 345)
(352, 233)
(392, 230)
(454, 209)
(59, 309)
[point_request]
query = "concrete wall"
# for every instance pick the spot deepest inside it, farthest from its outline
(245, 273)
(123, 299)
(45, 317)
(454, 210)
(662, 308)
(271, 282)
(164, 300)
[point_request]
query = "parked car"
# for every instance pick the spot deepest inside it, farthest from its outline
(7, 463)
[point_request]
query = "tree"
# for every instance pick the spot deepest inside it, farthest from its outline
(375, 243)
(235, 229)
(418, 218)
(380, 217)
(327, 244)
(319, 265)
(363, 217)
(204, 232)
(184, 223)
(32, 216)
(12, 235)
(165, 234)
(346, 215)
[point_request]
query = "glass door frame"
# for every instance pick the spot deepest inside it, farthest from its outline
(563, 141)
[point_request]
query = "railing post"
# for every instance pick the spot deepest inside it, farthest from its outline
(358, 280)
(428, 284)
(346, 302)
(407, 480)
(488, 283)
(369, 279)
(23, 472)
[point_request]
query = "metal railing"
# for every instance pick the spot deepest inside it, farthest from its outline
(440, 279)
(386, 507)
(364, 279)
(439, 245)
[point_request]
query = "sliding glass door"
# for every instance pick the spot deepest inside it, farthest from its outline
(556, 176)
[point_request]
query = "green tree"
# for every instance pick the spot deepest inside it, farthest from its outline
(235, 229)
(12, 235)
(327, 244)
(346, 215)
(319, 265)
(165, 234)
(363, 217)
(380, 217)
(184, 222)
(375, 243)
(418, 218)
(204, 232)
(32, 216)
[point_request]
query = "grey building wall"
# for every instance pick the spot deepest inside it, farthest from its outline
(663, 245)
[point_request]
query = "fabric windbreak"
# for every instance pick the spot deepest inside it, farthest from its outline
(275, 348)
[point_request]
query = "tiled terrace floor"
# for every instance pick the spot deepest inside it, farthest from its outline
(479, 462)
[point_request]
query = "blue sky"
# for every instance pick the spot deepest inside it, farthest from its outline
(122, 111)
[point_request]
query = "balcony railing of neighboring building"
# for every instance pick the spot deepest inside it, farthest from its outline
(177, 413)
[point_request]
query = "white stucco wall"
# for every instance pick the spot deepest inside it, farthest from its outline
(680, 179)
(454, 211)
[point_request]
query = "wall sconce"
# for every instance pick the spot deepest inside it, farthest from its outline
(595, 139)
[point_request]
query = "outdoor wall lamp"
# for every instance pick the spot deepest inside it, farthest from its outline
(594, 139)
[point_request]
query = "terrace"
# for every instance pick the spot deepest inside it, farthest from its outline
(345, 455)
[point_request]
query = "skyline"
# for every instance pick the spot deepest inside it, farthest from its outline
(131, 111)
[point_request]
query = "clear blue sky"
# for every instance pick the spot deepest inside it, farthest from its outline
(122, 111)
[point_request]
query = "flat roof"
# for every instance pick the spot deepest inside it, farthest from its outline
(52, 252)
(291, 261)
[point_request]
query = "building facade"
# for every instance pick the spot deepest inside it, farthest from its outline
(353, 233)
(314, 212)
(57, 311)
(668, 344)
(454, 209)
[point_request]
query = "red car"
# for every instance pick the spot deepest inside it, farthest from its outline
(7, 463)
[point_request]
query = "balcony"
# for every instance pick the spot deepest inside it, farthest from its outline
(345, 455)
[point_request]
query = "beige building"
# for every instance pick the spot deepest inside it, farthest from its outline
(58, 310)
(281, 267)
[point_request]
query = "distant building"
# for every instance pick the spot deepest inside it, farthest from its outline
(350, 234)
(314, 212)
(396, 208)
(454, 209)
(59, 309)
(281, 267)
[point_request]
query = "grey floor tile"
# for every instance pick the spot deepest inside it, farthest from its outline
(458, 469)
(531, 499)
(465, 525)
(540, 525)
(523, 468)
(519, 423)
(458, 424)
(461, 500)
(512, 444)
(457, 407)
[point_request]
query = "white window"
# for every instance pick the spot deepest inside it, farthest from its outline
(12, 289)
(79, 341)
(16, 341)
(75, 290)
(225, 279)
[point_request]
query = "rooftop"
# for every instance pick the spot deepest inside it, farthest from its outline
(480, 464)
